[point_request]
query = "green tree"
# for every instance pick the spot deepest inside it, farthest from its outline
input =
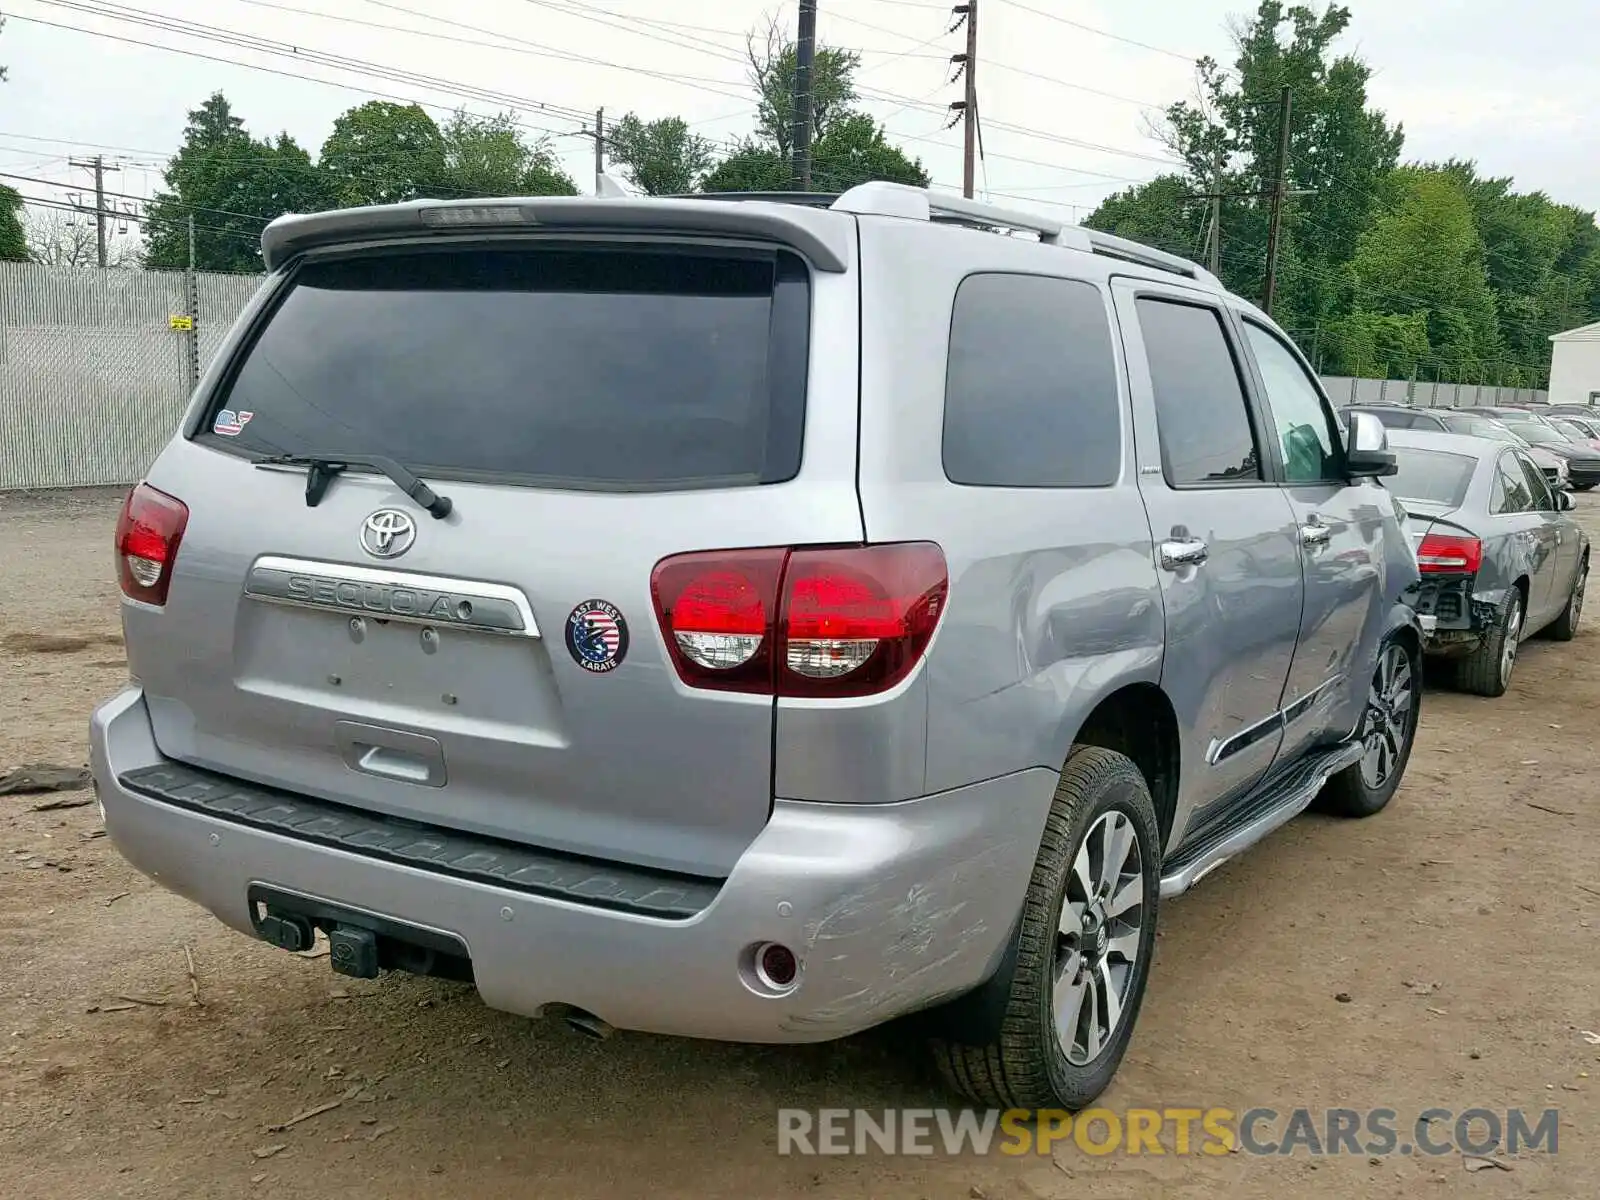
(488, 156)
(1422, 256)
(848, 147)
(385, 153)
(662, 157)
(232, 185)
(13, 236)
(1340, 147)
(1155, 213)
(754, 166)
(773, 63)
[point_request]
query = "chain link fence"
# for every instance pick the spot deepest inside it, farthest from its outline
(94, 366)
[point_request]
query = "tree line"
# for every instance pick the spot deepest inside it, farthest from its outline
(1414, 270)
(381, 152)
(1400, 269)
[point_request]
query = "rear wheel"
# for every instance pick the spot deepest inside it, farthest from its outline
(1566, 625)
(1582, 487)
(1487, 672)
(1084, 948)
(1388, 728)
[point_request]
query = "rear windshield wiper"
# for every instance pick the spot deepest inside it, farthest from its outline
(321, 468)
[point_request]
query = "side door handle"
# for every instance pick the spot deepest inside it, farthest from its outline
(1315, 533)
(1177, 553)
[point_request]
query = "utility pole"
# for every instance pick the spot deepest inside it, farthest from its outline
(1280, 189)
(805, 49)
(1214, 239)
(969, 101)
(599, 146)
(97, 164)
(191, 288)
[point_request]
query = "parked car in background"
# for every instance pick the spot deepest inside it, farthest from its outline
(1472, 423)
(1579, 431)
(805, 639)
(1583, 461)
(1588, 412)
(1500, 556)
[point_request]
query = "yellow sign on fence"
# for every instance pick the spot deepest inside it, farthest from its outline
(180, 322)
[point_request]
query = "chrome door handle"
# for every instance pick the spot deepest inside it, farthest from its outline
(1315, 534)
(1183, 552)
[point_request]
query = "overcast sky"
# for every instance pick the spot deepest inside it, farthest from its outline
(1064, 85)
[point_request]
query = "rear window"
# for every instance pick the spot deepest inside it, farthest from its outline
(590, 368)
(1432, 476)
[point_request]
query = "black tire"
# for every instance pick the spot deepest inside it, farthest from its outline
(1365, 787)
(1026, 1066)
(1565, 627)
(1582, 487)
(1487, 671)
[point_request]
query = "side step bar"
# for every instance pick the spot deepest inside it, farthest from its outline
(1283, 800)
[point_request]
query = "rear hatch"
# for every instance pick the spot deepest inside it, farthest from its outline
(589, 408)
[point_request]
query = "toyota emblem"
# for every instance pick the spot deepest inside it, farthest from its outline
(388, 533)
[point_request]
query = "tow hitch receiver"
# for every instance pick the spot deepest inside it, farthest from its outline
(360, 945)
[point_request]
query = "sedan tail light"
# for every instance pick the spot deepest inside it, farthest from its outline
(1445, 554)
(850, 621)
(148, 534)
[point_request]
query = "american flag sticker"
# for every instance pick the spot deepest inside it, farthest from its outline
(597, 636)
(230, 423)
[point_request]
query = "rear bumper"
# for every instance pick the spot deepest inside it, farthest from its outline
(890, 908)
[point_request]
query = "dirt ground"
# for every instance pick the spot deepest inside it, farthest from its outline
(1482, 878)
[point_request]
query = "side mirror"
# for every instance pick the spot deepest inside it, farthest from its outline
(1366, 454)
(1565, 502)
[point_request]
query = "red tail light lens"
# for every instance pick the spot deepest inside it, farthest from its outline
(1441, 553)
(718, 613)
(148, 533)
(807, 622)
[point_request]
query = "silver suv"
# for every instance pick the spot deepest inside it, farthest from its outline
(751, 620)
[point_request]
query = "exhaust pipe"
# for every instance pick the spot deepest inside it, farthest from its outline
(588, 1025)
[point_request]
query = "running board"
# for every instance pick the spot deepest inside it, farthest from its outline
(1282, 801)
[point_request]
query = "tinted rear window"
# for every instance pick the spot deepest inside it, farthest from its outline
(587, 368)
(1434, 476)
(1031, 385)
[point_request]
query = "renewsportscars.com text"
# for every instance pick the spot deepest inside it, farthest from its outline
(1374, 1132)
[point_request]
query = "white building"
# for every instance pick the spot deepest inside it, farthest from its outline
(1575, 366)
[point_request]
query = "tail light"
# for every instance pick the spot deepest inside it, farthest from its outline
(849, 621)
(148, 533)
(1441, 553)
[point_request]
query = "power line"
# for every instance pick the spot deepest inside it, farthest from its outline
(1115, 37)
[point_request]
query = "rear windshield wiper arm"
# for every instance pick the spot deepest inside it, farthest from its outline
(321, 468)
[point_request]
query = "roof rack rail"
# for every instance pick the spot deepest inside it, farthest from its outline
(884, 199)
(808, 199)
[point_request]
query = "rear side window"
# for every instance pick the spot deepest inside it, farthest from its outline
(585, 368)
(1031, 386)
(1206, 433)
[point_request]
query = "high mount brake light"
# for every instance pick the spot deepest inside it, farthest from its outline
(822, 622)
(149, 531)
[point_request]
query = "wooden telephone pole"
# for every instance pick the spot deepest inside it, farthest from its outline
(1280, 190)
(805, 48)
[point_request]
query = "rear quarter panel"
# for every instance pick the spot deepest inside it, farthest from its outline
(1054, 602)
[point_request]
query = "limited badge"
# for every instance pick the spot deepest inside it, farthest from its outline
(230, 423)
(597, 636)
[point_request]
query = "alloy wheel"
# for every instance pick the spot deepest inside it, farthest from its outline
(1099, 937)
(1389, 704)
(1508, 648)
